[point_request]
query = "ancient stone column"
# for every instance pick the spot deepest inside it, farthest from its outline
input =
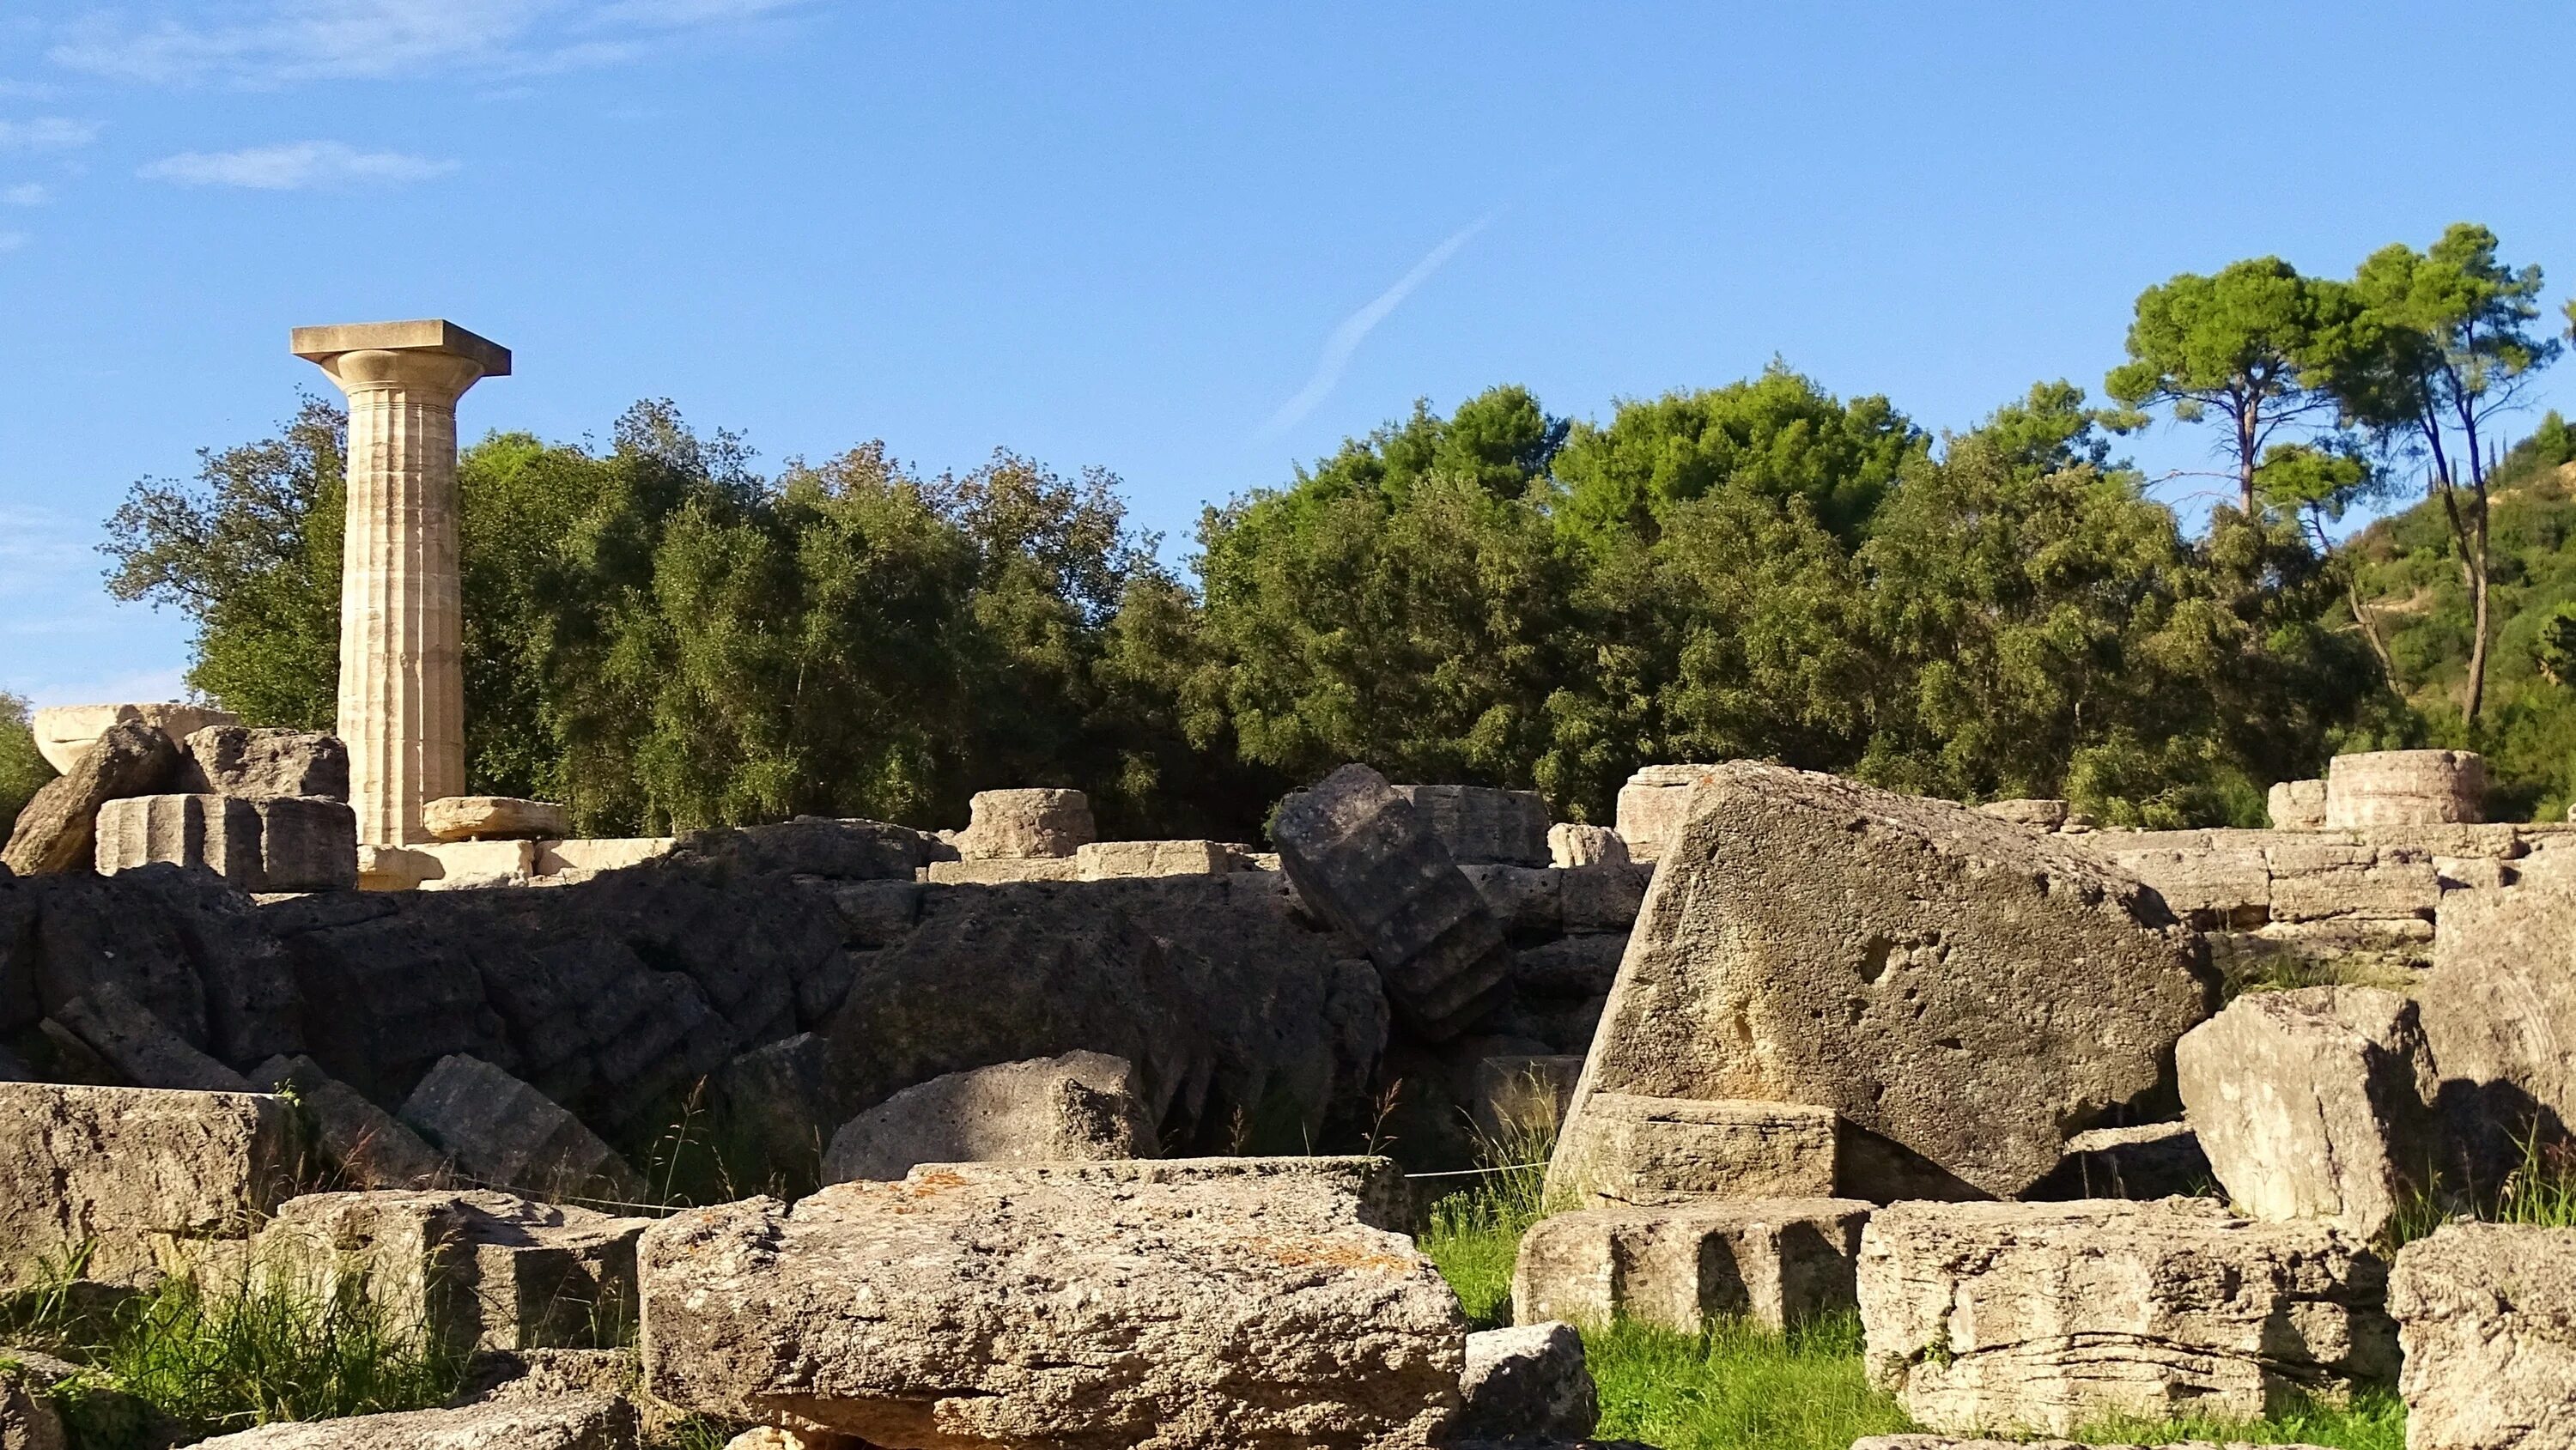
(402, 679)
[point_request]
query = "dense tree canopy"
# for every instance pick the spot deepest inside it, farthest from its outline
(663, 636)
(22, 770)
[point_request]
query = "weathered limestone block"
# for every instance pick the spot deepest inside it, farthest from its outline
(506, 1134)
(1216, 1312)
(64, 732)
(1529, 901)
(1527, 1381)
(474, 1269)
(587, 858)
(2298, 805)
(1652, 805)
(395, 868)
(28, 1420)
(2328, 881)
(2209, 888)
(773, 1107)
(577, 1423)
(1516, 1095)
(1368, 1190)
(2474, 873)
(1961, 988)
(1951, 1442)
(203, 832)
(2405, 788)
(1016, 824)
(467, 865)
(878, 913)
(1571, 843)
(1581, 965)
(1606, 897)
(2313, 1103)
(2499, 1008)
(1483, 826)
(125, 1168)
(516, 1376)
(2152, 1160)
(1107, 860)
(1776, 1261)
(1004, 870)
(494, 818)
(1081, 1105)
(142, 1047)
(367, 1146)
(2040, 814)
(1644, 1150)
(307, 843)
(2487, 1315)
(2040, 1317)
(235, 760)
(57, 827)
(1361, 855)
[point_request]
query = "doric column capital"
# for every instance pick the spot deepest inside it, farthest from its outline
(432, 359)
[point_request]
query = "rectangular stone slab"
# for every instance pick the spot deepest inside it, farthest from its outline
(1776, 1261)
(1642, 1149)
(947, 1312)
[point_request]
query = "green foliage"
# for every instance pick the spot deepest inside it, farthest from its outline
(1474, 1235)
(2374, 1420)
(209, 1356)
(22, 771)
(1735, 1386)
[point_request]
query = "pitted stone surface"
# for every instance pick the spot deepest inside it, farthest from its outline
(1652, 806)
(57, 828)
(1963, 988)
(2487, 1315)
(494, 818)
(2297, 805)
(506, 1134)
(235, 760)
(1776, 1261)
(1080, 1105)
(577, 1423)
(2042, 1317)
(1484, 826)
(1527, 1381)
(1643, 1150)
(1016, 824)
(1570, 843)
(2406, 788)
(124, 1168)
(944, 1311)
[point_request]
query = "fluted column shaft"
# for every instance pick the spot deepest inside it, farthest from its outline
(402, 668)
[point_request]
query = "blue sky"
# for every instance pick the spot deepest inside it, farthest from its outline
(1174, 242)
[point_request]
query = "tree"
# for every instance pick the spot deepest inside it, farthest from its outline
(2440, 345)
(22, 770)
(2244, 344)
(2317, 484)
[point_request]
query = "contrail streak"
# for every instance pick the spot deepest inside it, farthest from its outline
(1355, 329)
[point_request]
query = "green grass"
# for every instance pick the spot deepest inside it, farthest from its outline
(1737, 1387)
(2376, 1420)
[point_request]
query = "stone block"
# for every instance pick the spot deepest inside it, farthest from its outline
(2487, 1316)
(141, 1047)
(1107, 860)
(2473, 873)
(2327, 882)
(2297, 805)
(1652, 806)
(774, 1107)
(1570, 843)
(200, 832)
(587, 858)
(878, 913)
(127, 1168)
(576, 1423)
(476, 1270)
(2313, 1104)
(28, 1419)
(1361, 855)
(1529, 901)
(1078, 1106)
(1214, 1312)
(64, 732)
(1008, 825)
(1964, 989)
(1630, 1149)
(367, 1146)
(1582, 965)
(2405, 788)
(494, 818)
(1524, 1382)
(2037, 813)
(57, 828)
(505, 1134)
(235, 760)
(836, 850)
(1775, 1261)
(1002, 871)
(1369, 1190)
(2041, 1317)
(1483, 826)
(395, 868)
(465, 865)
(2211, 889)
(1606, 897)
(307, 843)
(2355, 948)
(2498, 1009)
(2152, 1160)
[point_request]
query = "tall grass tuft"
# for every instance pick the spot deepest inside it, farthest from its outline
(1474, 1235)
(2375, 1420)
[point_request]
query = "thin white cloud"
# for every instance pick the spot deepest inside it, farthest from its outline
(26, 193)
(47, 133)
(280, 42)
(1346, 339)
(12, 241)
(295, 166)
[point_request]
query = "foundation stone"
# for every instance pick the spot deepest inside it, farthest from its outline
(1652, 805)
(1015, 824)
(1080, 1105)
(2487, 1315)
(1776, 1261)
(2405, 788)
